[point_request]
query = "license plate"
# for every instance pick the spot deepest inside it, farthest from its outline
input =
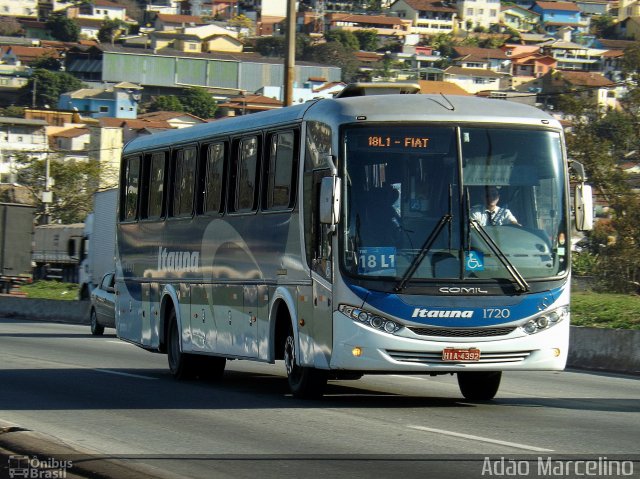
(452, 354)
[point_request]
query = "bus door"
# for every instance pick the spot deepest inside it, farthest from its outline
(321, 277)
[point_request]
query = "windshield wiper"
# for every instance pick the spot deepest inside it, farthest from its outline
(423, 252)
(522, 284)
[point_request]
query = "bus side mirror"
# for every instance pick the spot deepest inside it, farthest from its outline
(330, 188)
(583, 207)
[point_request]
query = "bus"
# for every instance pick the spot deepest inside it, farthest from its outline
(341, 237)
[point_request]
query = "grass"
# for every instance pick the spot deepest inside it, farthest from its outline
(600, 310)
(50, 290)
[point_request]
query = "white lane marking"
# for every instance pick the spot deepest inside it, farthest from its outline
(117, 341)
(118, 373)
(481, 439)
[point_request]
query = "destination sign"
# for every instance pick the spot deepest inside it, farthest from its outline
(380, 141)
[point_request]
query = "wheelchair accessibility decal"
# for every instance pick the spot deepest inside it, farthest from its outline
(474, 261)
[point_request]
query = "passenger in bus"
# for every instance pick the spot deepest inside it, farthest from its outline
(491, 214)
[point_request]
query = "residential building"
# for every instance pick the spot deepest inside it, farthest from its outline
(587, 84)
(23, 8)
(474, 80)
(493, 59)
(612, 63)
(519, 18)
(53, 118)
(393, 26)
(20, 55)
(192, 43)
(629, 28)
(98, 10)
(169, 7)
(527, 68)
(47, 7)
(628, 8)
(132, 129)
(174, 119)
(478, 13)
(120, 101)
(105, 147)
(554, 15)
(572, 56)
(253, 103)
(594, 7)
(428, 17)
(441, 88)
(71, 144)
(168, 22)
(19, 136)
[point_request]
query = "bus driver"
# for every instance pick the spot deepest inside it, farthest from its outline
(492, 214)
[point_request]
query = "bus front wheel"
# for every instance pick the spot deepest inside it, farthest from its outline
(304, 382)
(479, 385)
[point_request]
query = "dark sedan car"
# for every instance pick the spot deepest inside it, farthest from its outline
(103, 311)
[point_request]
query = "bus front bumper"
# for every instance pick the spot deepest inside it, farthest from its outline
(360, 348)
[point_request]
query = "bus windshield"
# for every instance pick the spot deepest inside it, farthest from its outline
(454, 203)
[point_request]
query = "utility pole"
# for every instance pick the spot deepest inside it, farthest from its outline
(33, 92)
(290, 56)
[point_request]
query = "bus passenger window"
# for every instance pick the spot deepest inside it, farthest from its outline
(247, 169)
(183, 182)
(214, 178)
(156, 186)
(280, 172)
(132, 178)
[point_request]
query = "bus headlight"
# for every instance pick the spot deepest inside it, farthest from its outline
(372, 320)
(546, 320)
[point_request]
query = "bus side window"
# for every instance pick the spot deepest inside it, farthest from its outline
(155, 179)
(214, 178)
(246, 187)
(280, 171)
(183, 182)
(131, 176)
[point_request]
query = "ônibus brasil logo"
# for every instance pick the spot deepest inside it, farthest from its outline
(441, 313)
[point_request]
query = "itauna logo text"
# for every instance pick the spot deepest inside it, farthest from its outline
(441, 313)
(178, 261)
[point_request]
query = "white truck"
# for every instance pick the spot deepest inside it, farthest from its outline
(100, 240)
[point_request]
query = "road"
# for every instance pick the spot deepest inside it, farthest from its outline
(106, 396)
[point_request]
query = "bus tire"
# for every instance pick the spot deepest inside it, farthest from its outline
(96, 328)
(304, 382)
(181, 365)
(479, 385)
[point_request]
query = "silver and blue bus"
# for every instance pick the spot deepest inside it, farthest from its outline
(345, 237)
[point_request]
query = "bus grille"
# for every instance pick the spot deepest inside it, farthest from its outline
(464, 332)
(412, 357)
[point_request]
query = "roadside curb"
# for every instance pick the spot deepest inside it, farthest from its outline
(58, 311)
(66, 460)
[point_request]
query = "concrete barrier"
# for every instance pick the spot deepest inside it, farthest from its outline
(75, 312)
(589, 348)
(605, 349)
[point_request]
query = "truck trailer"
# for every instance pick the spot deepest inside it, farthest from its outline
(16, 238)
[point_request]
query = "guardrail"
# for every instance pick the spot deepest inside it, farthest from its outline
(614, 350)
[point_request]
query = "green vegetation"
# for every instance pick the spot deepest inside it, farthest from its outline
(600, 310)
(50, 290)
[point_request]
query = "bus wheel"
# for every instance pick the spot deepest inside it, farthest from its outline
(180, 364)
(304, 382)
(479, 385)
(96, 328)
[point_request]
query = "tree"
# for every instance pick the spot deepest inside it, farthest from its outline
(344, 37)
(334, 53)
(166, 103)
(47, 62)
(73, 186)
(241, 22)
(199, 102)
(12, 111)
(111, 29)
(368, 39)
(63, 28)
(48, 87)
